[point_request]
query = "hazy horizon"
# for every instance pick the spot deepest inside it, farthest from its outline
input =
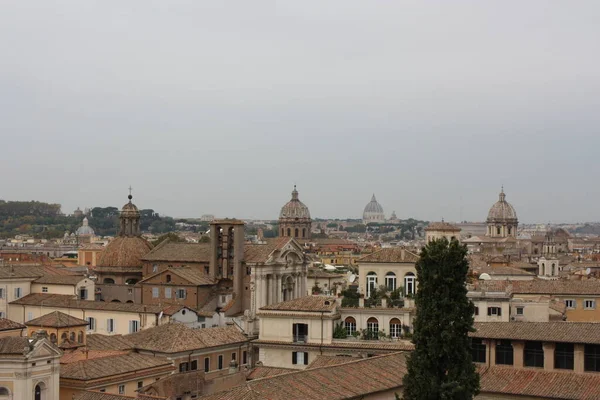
(220, 108)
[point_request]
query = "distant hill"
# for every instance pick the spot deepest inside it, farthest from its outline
(44, 220)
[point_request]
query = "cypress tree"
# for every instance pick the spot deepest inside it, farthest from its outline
(441, 365)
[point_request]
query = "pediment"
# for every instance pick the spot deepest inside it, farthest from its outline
(44, 349)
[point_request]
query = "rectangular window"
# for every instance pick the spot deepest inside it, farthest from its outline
(134, 326)
(183, 367)
(83, 294)
(44, 289)
(2, 314)
(18, 293)
(589, 304)
(571, 304)
(520, 310)
(194, 365)
(478, 350)
(155, 293)
(155, 268)
(29, 316)
(110, 325)
(299, 358)
(121, 389)
(140, 384)
(534, 354)
(1, 293)
(168, 294)
(592, 357)
(102, 390)
(233, 356)
(180, 294)
(300, 332)
(564, 356)
(244, 357)
(91, 323)
(206, 364)
(220, 362)
(504, 352)
(494, 311)
(476, 310)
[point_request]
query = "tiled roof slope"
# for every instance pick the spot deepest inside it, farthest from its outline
(390, 255)
(94, 395)
(306, 303)
(56, 319)
(97, 341)
(541, 384)
(176, 337)
(80, 355)
(192, 275)
(326, 361)
(13, 345)
(184, 252)
(259, 253)
(265, 372)
(9, 325)
(556, 287)
(60, 279)
(347, 381)
(110, 366)
(69, 301)
(566, 332)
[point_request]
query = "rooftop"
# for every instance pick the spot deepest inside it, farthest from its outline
(56, 319)
(192, 275)
(306, 303)
(184, 252)
(100, 342)
(177, 337)
(260, 253)
(354, 379)
(69, 301)
(110, 366)
(390, 255)
(565, 332)
(9, 325)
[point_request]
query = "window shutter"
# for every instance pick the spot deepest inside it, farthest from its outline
(499, 311)
(294, 357)
(489, 310)
(305, 358)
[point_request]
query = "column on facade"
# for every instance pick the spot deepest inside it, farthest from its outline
(579, 358)
(297, 286)
(549, 356)
(518, 353)
(263, 287)
(491, 348)
(278, 288)
(272, 289)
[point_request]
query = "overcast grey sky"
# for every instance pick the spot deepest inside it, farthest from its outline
(221, 106)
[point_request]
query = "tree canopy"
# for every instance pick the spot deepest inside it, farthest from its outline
(441, 365)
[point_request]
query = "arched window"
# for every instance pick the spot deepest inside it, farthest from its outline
(395, 328)
(543, 268)
(115, 301)
(131, 281)
(289, 231)
(553, 269)
(350, 325)
(509, 230)
(282, 232)
(64, 337)
(498, 230)
(4, 391)
(371, 282)
(38, 391)
(53, 337)
(80, 337)
(372, 328)
(390, 281)
(296, 232)
(109, 281)
(168, 278)
(72, 337)
(303, 232)
(410, 286)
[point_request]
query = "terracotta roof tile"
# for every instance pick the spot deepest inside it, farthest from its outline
(13, 344)
(390, 255)
(184, 252)
(539, 383)
(56, 319)
(326, 361)
(108, 342)
(566, 332)
(442, 226)
(69, 301)
(9, 325)
(124, 251)
(306, 303)
(94, 395)
(260, 253)
(110, 366)
(177, 337)
(354, 379)
(265, 372)
(83, 354)
(61, 279)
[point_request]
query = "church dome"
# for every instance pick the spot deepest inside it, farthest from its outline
(294, 209)
(85, 229)
(129, 247)
(502, 211)
(373, 206)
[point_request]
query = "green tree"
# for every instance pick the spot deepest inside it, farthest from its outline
(441, 366)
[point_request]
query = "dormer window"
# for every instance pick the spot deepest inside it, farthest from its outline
(168, 278)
